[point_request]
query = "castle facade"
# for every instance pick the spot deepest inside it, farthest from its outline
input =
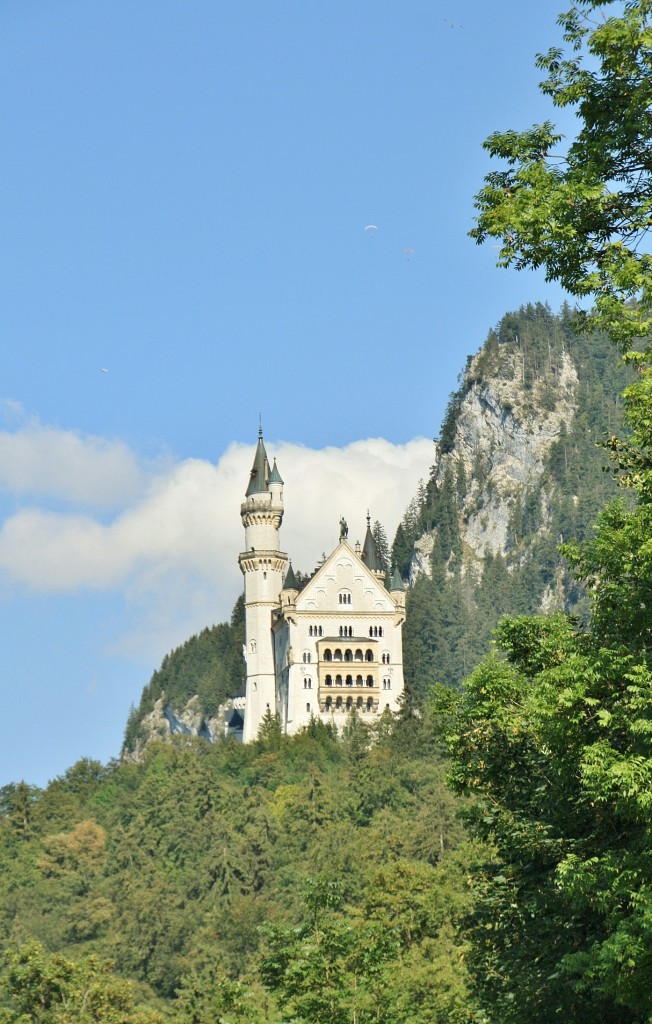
(323, 648)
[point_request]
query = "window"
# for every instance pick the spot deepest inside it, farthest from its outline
(359, 655)
(348, 654)
(307, 657)
(338, 655)
(370, 703)
(338, 702)
(369, 656)
(307, 707)
(349, 703)
(385, 658)
(358, 702)
(307, 683)
(359, 681)
(328, 654)
(380, 631)
(349, 680)
(329, 680)
(370, 680)
(344, 597)
(338, 680)
(329, 703)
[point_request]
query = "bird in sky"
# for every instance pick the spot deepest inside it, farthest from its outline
(103, 369)
(452, 24)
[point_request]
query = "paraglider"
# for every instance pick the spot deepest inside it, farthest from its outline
(371, 227)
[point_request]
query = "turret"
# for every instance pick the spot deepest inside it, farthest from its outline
(370, 555)
(262, 564)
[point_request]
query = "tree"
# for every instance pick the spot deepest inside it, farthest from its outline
(584, 214)
(554, 741)
(50, 989)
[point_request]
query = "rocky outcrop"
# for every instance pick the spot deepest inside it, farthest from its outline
(503, 434)
(164, 721)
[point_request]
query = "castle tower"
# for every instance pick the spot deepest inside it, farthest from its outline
(262, 564)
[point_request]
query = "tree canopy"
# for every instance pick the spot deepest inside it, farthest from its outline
(583, 211)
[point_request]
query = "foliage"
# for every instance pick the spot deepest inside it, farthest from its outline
(555, 744)
(209, 665)
(51, 989)
(583, 213)
(450, 616)
(179, 870)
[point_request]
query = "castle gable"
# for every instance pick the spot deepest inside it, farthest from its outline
(343, 581)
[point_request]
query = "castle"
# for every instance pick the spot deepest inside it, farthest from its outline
(322, 649)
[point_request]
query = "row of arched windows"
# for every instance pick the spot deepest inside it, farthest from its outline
(315, 631)
(359, 681)
(385, 658)
(336, 655)
(346, 630)
(307, 657)
(387, 684)
(338, 704)
(375, 630)
(344, 597)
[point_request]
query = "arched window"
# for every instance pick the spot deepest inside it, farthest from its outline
(369, 656)
(358, 656)
(348, 654)
(370, 703)
(371, 630)
(349, 680)
(338, 702)
(370, 680)
(338, 655)
(349, 703)
(338, 680)
(341, 630)
(388, 684)
(380, 631)
(321, 631)
(310, 631)
(329, 680)
(358, 702)
(328, 654)
(307, 707)
(350, 630)
(307, 657)
(329, 703)
(359, 681)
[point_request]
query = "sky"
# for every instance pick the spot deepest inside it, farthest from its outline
(186, 251)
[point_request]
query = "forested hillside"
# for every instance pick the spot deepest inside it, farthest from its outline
(520, 470)
(311, 877)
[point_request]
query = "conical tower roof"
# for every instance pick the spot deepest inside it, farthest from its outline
(275, 476)
(290, 581)
(396, 581)
(370, 550)
(260, 471)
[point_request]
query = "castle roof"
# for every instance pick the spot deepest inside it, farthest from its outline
(396, 581)
(290, 581)
(260, 472)
(370, 550)
(275, 476)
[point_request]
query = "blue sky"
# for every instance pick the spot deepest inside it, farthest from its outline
(186, 185)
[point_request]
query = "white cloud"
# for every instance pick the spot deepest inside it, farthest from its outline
(43, 461)
(172, 548)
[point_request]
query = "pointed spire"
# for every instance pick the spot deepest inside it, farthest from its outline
(275, 476)
(260, 470)
(370, 550)
(290, 581)
(396, 581)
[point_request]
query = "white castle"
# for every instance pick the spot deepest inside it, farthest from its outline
(323, 649)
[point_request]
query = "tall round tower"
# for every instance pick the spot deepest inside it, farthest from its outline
(263, 564)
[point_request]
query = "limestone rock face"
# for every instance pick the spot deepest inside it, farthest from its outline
(164, 721)
(502, 439)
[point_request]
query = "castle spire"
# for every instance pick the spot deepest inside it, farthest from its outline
(260, 471)
(370, 550)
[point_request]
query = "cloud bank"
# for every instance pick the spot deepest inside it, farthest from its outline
(171, 543)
